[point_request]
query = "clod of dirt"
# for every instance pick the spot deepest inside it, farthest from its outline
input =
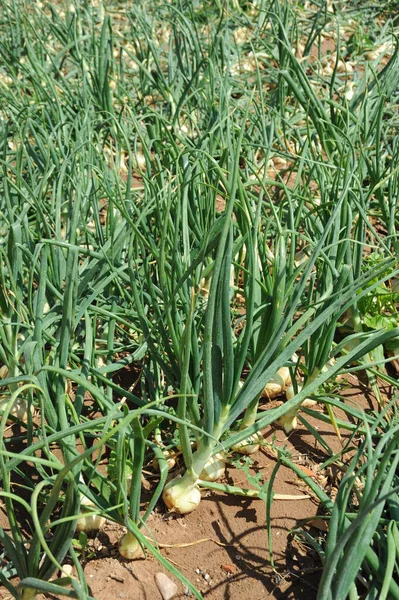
(166, 586)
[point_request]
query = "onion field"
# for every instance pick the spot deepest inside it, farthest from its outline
(199, 214)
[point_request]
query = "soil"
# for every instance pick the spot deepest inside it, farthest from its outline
(222, 547)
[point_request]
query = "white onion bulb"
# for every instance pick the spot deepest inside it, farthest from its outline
(170, 458)
(129, 547)
(289, 421)
(19, 410)
(180, 497)
(249, 445)
(90, 522)
(214, 469)
(277, 384)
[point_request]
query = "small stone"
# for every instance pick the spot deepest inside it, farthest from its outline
(229, 568)
(166, 586)
(207, 577)
(187, 592)
(198, 571)
(122, 595)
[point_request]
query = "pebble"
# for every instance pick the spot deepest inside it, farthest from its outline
(229, 568)
(166, 586)
(207, 577)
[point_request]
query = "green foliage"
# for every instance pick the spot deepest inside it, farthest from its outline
(186, 201)
(82, 547)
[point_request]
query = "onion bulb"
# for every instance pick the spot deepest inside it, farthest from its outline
(28, 594)
(90, 522)
(19, 409)
(129, 547)
(170, 458)
(181, 495)
(278, 384)
(214, 469)
(289, 421)
(249, 445)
